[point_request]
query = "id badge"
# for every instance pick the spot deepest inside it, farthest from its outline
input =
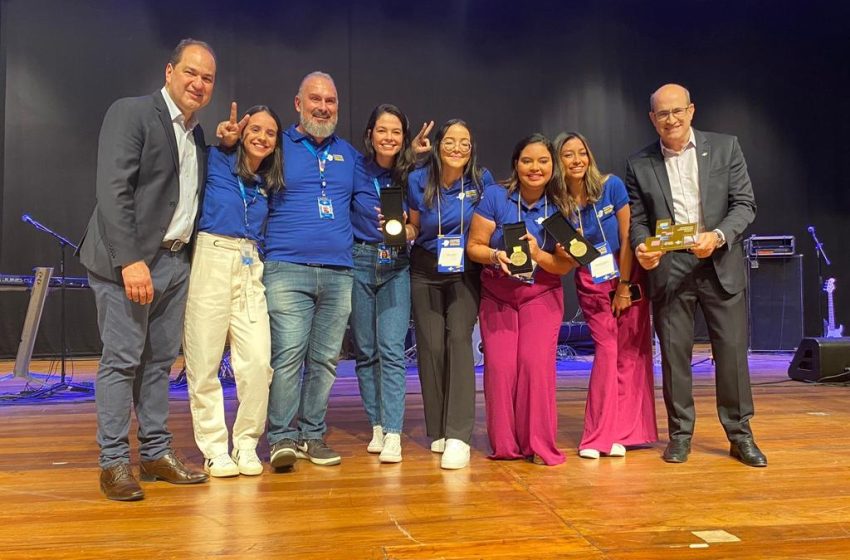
(385, 254)
(326, 208)
(246, 250)
(450, 251)
(603, 267)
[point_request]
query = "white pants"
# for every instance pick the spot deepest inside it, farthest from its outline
(226, 299)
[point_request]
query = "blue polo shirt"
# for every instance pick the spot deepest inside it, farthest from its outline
(450, 205)
(364, 217)
(225, 210)
(614, 197)
(502, 208)
(295, 232)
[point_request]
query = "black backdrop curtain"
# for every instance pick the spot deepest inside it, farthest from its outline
(772, 73)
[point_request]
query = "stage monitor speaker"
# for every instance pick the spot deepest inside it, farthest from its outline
(775, 302)
(822, 360)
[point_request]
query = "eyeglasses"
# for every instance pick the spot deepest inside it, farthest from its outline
(678, 113)
(464, 146)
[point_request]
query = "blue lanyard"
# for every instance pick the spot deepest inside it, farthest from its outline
(322, 159)
(245, 201)
(378, 186)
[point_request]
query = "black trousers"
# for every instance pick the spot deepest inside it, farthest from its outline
(726, 318)
(445, 308)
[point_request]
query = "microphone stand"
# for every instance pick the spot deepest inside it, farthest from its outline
(63, 353)
(820, 254)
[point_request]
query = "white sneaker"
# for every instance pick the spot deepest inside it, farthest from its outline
(221, 466)
(455, 455)
(588, 453)
(391, 452)
(438, 445)
(247, 462)
(377, 443)
(617, 450)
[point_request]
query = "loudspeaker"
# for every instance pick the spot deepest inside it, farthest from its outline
(821, 359)
(775, 302)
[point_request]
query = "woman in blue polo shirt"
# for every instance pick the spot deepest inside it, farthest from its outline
(445, 287)
(226, 297)
(520, 319)
(380, 296)
(620, 408)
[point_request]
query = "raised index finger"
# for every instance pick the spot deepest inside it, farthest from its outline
(233, 113)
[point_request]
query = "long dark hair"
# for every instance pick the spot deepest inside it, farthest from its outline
(435, 165)
(593, 178)
(555, 189)
(271, 168)
(404, 160)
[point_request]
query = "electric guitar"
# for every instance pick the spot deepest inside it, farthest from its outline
(830, 330)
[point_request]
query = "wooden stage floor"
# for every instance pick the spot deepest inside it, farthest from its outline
(636, 507)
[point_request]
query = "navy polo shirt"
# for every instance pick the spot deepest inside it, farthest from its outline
(614, 197)
(449, 208)
(364, 217)
(224, 211)
(295, 232)
(502, 208)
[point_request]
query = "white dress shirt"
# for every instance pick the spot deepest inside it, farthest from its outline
(183, 220)
(683, 173)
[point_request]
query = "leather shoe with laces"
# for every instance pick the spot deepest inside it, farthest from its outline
(118, 483)
(170, 469)
(677, 451)
(748, 453)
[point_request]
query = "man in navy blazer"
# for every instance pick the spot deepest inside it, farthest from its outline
(151, 167)
(691, 176)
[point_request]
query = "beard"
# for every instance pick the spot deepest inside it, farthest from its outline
(317, 129)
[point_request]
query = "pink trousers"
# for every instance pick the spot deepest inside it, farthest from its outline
(620, 398)
(519, 329)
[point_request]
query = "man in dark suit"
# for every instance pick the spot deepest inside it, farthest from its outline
(151, 167)
(698, 177)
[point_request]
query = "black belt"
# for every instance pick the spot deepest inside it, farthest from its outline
(175, 246)
(329, 266)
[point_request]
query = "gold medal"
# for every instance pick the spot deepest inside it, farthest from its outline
(518, 257)
(577, 248)
(393, 227)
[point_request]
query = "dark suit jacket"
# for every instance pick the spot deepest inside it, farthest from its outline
(137, 185)
(728, 204)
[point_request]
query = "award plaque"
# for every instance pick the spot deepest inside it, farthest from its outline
(517, 249)
(574, 243)
(672, 237)
(393, 211)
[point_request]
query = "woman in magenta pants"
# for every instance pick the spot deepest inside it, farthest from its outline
(520, 319)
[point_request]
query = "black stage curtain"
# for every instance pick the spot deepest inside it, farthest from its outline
(771, 73)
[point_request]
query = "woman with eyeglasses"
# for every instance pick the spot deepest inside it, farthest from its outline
(520, 318)
(445, 287)
(620, 410)
(380, 297)
(226, 296)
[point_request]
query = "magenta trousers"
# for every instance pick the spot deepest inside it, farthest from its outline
(620, 398)
(519, 329)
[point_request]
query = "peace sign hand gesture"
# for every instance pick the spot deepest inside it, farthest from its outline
(229, 131)
(421, 144)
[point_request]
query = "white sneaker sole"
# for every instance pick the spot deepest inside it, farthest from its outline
(284, 459)
(316, 461)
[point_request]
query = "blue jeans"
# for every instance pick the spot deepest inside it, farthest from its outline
(308, 312)
(380, 315)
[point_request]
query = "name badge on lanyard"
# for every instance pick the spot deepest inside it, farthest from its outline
(450, 250)
(603, 267)
(386, 254)
(326, 207)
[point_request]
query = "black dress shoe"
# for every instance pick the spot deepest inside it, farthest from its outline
(118, 483)
(170, 469)
(748, 453)
(677, 451)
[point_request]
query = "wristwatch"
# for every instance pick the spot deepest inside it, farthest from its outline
(721, 239)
